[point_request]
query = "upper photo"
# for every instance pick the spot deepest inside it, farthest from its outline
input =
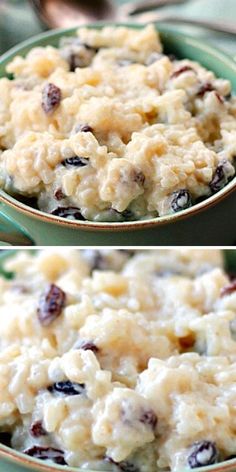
(117, 122)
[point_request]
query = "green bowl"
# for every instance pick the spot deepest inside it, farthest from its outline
(22, 225)
(13, 461)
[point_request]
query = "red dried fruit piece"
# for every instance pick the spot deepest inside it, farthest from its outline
(37, 429)
(51, 305)
(51, 97)
(181, 71)
(46, 453)
(228, 289)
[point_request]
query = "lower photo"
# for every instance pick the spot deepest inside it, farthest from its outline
(117, 360)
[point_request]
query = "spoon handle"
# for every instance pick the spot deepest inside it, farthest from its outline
(134, 8)
(218, 26)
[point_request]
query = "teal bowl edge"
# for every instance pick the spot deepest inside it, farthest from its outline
(183, 46)
(15, 461)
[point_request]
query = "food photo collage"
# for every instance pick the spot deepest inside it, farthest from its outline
(117, 236)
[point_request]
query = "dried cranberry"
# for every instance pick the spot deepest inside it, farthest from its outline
(51, 98)
(228, 289)
(68, 212)
(125, 466)
(219, 179)
(203, 453)
(67, 388)
(37, 429)
(51, 304)
(46, 453)
(149, 418)
(181, 199)
(58, 194)
(88, 346)
(207, 87)
(181, 71)
(83, 129)
(75, 161)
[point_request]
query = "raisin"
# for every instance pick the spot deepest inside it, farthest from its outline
(207, 87)
(149, 418)
(83, 129)
(68, 212)
(139, 177)
(203, 453)
(228, 96)
(51, 304)
(181, 199)
(96, 259)
(77, 53)
(219, 179)
(181, 71)
(172, 57)
(187, 342)
(5, 438)
(51, 98)
(58, 194)
(128, 252)
(128, 215)
(46, 453)
(88, 346)
(67, 388)
(228, 289)
(37, 429)
(75, 161)
(125, 466)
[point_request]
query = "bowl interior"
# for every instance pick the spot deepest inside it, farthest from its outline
(179, 44)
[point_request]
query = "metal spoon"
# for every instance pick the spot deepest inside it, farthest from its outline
(218, 26)
(68, 13)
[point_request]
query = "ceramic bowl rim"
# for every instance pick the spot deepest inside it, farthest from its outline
(21, 459)
(126, 225)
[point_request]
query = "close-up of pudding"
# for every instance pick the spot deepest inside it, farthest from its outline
(109, 128)
(118, 360)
